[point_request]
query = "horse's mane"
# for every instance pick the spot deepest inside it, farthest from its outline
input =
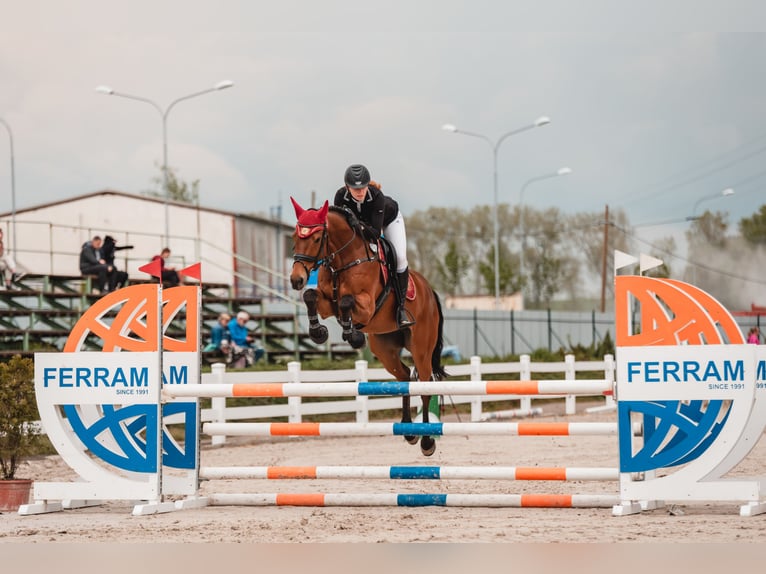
(360, 227)
(349, 216)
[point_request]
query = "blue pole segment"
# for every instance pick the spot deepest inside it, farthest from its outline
(415, 472)
(421, 500)
(418, 429)
(396, 388)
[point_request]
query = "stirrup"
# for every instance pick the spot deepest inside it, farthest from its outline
(402, 319)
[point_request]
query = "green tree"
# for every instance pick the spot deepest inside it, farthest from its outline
(509, 281)
(453, 269)
(709, 229)
(753, 228)
(178, 190)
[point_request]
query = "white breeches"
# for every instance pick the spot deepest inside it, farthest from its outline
(7, 264)
(397, 235)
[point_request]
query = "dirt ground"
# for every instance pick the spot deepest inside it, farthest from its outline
(113, 522)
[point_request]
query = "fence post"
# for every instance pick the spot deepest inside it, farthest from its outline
(475, 332)
(570, 374)
(550, 331)
(218, 404)
(362, 402)
(476, 402)
(513, 334)
(593, 326)
(609, 373)
(294, 368)
(525, 403)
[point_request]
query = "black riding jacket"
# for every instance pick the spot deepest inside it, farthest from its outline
(377, 210)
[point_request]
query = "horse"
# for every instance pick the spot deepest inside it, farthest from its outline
(350, 288)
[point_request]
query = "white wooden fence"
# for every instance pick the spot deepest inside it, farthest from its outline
(296, 408)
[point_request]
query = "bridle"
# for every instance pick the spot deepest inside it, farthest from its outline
(304, 231)
(324, 258)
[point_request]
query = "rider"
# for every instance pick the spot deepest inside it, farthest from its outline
(364, 198)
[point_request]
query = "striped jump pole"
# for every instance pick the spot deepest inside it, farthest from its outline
(409, 473)
(413, 429)
(378, 499)
(391, 388)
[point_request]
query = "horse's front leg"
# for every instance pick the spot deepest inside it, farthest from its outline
(317, 332)
(355, 338)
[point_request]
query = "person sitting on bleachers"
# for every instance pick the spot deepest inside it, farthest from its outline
(7, 265)
(118, 278)
(242, 343)
(220, 339)
(93, 263)
(170, 276)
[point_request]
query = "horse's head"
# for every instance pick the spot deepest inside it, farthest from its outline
(309, 237)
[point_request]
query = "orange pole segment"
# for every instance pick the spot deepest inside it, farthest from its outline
(535, 473)
(290, 499)
(264, 390)
(512, 387)
(295, 429)
(277, 472)
(543, 429)
(546, 500)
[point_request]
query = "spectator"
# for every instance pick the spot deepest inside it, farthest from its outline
(242, 342)
(220, 339)
(118, 278)
(169, 275)
(93, 263)
(754, 336)
(7, 265)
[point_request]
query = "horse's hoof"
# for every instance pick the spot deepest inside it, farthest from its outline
(318, 334)
(411, 439)
(427, 446)
(356, 340)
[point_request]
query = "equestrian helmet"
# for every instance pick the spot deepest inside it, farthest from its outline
(357, 176)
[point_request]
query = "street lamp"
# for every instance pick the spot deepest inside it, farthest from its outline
(13, 190)
(693, 217)
(557, 173)
(106, 90)
(539, 122)
(725, 193)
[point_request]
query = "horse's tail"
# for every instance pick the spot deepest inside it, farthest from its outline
(437, 369)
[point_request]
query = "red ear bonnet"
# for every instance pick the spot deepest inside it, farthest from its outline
(310, 220)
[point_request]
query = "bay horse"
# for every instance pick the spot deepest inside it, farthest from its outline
(350, 288)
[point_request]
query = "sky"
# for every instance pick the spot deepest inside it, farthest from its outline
(655, 106)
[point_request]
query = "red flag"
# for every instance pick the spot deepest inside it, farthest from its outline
(194, 271)
(153, 268)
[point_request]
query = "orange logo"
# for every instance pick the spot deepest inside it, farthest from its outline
(126, 320)
(671, 313)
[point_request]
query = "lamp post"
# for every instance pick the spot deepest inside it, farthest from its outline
(557, 173)
(106, 90)
(724, 193)
(539, 122)
(693, 217)
(13, 189)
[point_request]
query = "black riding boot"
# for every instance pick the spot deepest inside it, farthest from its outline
(401, 314)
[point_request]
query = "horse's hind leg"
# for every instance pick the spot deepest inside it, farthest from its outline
(387, 348)
(427, 443)
(317, 332)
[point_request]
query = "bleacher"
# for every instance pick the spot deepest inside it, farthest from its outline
(38, 314)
